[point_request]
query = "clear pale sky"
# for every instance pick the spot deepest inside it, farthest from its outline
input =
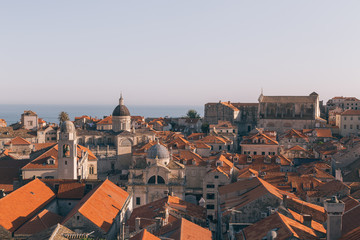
(176, 52)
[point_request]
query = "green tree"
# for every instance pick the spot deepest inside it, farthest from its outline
(63, 116)
(205, 128)
(192, 114)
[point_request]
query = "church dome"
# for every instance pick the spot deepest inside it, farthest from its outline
(67, 127)
(120, 111)
(158, 151)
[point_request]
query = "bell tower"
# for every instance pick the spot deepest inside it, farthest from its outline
(67, 151)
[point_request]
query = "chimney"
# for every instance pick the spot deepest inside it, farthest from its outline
(335, 210)
(284, 199)
(158, 223)
(2, 193)
(307, 220)
(137, 224)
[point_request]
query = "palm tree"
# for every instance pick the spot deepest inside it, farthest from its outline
(63, 116)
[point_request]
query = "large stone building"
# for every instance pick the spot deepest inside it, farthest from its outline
(113, 146)
(343, 103)
(156, 177)
(282, 113)
(243, 115)
(349, 122)
(65, 160)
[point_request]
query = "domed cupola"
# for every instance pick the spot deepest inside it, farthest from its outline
(121, 119)
(67, 127)
(121, 109)
(158, 153)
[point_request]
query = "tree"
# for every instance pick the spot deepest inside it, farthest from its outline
(205, 128)
(192, 114)
(63, 116)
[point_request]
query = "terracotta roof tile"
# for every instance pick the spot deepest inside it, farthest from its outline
(101, 205)
(40, 222)
(21, 205)
(105, 121)
(74, 190)
(183, 229)
(144, 235)
(18, 141)
(176, 206)
(323, 133)
(350, 112)
(285, 228)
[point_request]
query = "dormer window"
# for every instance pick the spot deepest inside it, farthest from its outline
(50, 161)
(249, 159)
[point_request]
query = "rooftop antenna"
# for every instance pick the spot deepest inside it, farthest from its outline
(262, 92)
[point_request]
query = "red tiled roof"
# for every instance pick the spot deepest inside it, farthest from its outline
(144, 235)
(214, 140)
(183, 229)
(74, 190)
(82, 117)
(285, 228)
(101, 205)
(350, 112)
(156, 209)
(20, 205)
(323, 133)
(42, 221)
(40, 162)
(241, 193)
(105, 121)
(352, 235)
(18, 141)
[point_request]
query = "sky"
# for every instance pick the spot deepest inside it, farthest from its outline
(166, 52)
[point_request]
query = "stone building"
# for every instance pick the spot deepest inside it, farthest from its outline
(243, 115)
(64, 160)
(260, 143)
(282, 113)
(156, 176)
(29, 120)
(349, 122)
(113, 145)
(343, 103)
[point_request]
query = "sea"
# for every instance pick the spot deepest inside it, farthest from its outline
(12, 112)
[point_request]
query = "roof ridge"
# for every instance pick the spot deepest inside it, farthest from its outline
(287, 225)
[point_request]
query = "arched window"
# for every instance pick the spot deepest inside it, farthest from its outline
(160, 180)
(152, 180)
(91, 169)
(66, 150)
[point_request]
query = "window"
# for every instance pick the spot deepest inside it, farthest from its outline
(255, 153)
(344, 118)
(91, 169)
(262, 153)
(210, 206)
(219, 147)
(210, 196)
(49, 177)
(138, 201)
(216, 176)
(351, 118)
(350, 126)
(77, 217)
(345, 126)
(357, 126)
(65, 162)
(210, 186)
